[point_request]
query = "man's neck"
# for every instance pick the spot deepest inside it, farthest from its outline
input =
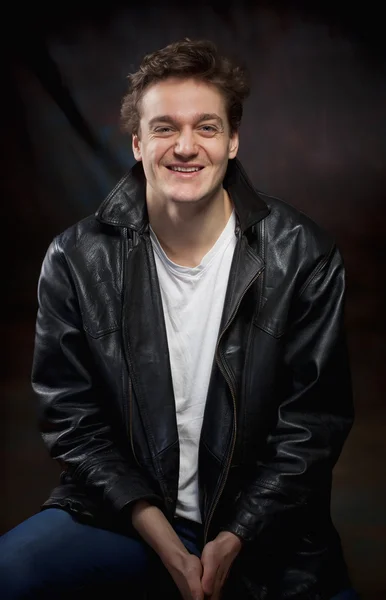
(185, 232)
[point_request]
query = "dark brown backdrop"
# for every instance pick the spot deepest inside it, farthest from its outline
(314, 133)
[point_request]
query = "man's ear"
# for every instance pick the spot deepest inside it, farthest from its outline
(233, 144)
(136, 145)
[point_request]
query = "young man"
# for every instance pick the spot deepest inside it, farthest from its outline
(191, 369)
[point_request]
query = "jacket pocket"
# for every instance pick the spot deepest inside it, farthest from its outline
(271, 325)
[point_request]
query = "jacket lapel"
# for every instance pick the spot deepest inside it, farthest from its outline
(246, 268)
(148, 349)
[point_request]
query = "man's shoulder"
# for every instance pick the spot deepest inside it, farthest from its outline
(81, 235)
(287, 221)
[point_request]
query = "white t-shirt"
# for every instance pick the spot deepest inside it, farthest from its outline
(193, 301)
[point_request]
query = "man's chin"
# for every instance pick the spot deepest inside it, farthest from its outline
(183, 196)
(184, 200)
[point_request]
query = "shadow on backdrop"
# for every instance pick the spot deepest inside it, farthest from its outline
(313, 133)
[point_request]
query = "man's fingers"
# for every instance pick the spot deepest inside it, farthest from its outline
(209, 578)
(218, 585)
(207, 585)
(219, 582)
(197, 592)
(195, 582)
(210, 566)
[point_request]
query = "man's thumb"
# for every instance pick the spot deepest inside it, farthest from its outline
(198, 594)
(207, 583)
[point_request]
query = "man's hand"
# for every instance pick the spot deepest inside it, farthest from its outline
(155, 529)
(186, 571)
(217, 558)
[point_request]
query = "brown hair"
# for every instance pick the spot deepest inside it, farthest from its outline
(198, 59)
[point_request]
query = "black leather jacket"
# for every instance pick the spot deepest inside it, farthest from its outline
(279, 404)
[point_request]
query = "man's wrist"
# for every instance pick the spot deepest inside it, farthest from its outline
(173, 555)
(231, 540)
(155, 529)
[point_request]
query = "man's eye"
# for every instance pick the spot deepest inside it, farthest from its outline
(208, 128)
(164, 129)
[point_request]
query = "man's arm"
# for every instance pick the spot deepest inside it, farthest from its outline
(73, 418)
(315, 414)
(77, 431)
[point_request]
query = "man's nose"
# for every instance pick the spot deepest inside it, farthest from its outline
(186, 144)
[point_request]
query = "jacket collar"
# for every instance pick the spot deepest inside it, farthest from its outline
(125, 206)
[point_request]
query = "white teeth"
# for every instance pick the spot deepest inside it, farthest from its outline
(185, 169)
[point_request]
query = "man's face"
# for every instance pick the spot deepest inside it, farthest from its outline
(184, 141)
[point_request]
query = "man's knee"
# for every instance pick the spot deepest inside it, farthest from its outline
(18, 576)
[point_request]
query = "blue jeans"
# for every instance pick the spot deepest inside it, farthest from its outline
(346, 595)
(51, 555)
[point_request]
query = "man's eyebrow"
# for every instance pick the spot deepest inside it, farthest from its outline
(161, 119)
(199, 118)
(210, 117)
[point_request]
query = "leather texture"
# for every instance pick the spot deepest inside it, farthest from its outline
(279, 404)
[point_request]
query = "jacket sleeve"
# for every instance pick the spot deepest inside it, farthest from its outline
(314, 415)
(73, 418)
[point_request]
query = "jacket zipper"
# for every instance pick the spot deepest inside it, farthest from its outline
(225, 372)
(128, 411)
(131, 421)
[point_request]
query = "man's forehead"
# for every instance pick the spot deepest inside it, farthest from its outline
(187, 95)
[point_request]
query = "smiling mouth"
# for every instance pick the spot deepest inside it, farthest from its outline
(185, 169)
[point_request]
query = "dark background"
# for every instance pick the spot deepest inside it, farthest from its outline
(314, 133)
